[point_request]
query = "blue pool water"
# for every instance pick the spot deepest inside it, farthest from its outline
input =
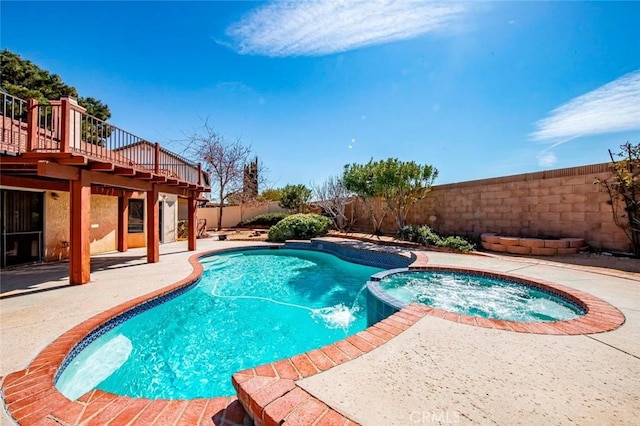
(480, 296)
(249, 308)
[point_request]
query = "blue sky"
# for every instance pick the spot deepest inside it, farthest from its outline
(476, 89)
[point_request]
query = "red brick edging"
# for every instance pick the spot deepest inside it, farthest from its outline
(31, 397)
(268, 392)
(599, 317)
(271, 397)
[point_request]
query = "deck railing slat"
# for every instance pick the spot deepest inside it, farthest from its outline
(63, 125)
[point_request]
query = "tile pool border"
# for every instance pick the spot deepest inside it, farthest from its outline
(267, 393)
(30, 395)
(271, 397)
(599, 317)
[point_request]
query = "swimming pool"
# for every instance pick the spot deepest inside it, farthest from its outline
(249, 308)
(475, 295)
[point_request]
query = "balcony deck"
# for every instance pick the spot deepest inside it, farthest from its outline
(29, 149)
(58, 147)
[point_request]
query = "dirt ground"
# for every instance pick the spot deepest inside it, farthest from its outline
(599, 261)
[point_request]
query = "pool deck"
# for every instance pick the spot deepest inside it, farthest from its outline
(436, 371)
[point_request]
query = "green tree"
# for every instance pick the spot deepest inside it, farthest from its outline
(624, 191)
(272, 194)
(361, 179)
(24, 79)
(295, 197)
(402, 184)
(95, 107)
(397, 184)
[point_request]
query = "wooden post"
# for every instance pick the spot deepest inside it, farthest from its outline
(153, 219)
(32, 125)
(80, 216)
(199, 174)
(156, 159)
(192, 221)
(123, 221)
(65, 125)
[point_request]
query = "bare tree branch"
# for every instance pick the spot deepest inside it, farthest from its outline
(333, 198)
(224, 160)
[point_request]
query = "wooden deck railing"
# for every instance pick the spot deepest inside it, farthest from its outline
(64, 126)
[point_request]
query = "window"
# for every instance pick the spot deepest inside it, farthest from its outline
(136, 216)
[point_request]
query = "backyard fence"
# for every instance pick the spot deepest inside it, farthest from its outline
(562, 203)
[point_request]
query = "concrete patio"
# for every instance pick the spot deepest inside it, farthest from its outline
(437, 371)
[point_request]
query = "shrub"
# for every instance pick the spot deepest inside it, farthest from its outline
(407, 233)
(300, 227)
(267, 219)
(456, 243)
(419, 234)
(427, 236)
(294, 197)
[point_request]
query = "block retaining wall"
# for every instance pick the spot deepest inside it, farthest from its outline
(534, 246)
(553, 204)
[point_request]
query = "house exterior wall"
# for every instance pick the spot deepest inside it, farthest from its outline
(561, 203)
(138, 239)
(169, 226)
(56, 225)
(104, 224)
(170, 222)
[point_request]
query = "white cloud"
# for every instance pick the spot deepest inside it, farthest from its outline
(547, 159)
(614, 107)
(311, 28)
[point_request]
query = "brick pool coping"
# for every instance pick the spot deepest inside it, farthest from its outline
(268, 392)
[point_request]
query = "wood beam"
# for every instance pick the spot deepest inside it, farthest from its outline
(57, 171)
(17, 160)
(124, 171)
(102, 190)
(173, 190)
(80, 221)
(53, 170)
(99, 166)
(4, 167)
(33, 183)
(159, 178)
(153, 219)
(192, 224)
(50, 155)
(107, 179)
(144, 175)
(74, 160)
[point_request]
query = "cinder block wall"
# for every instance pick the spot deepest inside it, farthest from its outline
(560, 203)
